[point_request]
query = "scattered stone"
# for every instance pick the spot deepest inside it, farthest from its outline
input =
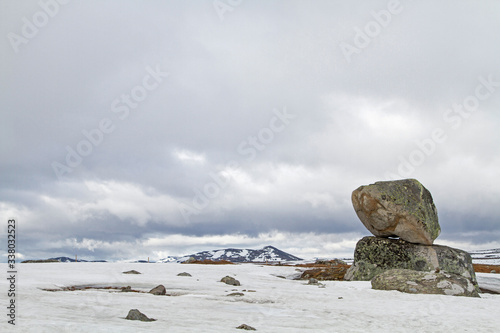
(236, 294)
(158, 290)
(246, 327)
(418, 282)
(184, 274)
(374, 255)
(312, 281)
(340, 297)
(132, 272)
(281, 277)
(402, 208)
(230, 280)
(135, 314)
(493, 271)
(127, 289)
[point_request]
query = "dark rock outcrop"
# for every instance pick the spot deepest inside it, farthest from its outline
(374, 255)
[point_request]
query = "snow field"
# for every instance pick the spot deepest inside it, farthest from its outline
(200, 303)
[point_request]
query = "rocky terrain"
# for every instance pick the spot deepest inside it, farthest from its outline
(401, 256)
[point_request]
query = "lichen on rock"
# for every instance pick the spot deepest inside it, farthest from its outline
(402, 208)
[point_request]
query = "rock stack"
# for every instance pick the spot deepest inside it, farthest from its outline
(403, 218)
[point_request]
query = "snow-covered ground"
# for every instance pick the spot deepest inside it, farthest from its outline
(486, 257)
(201, 303)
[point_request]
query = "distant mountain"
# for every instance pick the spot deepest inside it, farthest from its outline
(268, 253)
(66, 259)
(168, 259)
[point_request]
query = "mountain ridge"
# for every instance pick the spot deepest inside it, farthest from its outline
(267, 253)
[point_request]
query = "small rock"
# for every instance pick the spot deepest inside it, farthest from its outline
(184, 274)
(135, 314)
(281, 277)
(312, 281)
(230, 280)
(493, 271)
(158, 290)
(127, 289)
(246, 327)
(340, 297)
(236, 294)
(131, 272)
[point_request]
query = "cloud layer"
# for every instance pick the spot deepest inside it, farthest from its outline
(132, 130)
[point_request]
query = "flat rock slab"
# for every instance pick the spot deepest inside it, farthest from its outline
(374, 255)
(402, 208)
(415, 282)
(131, 272)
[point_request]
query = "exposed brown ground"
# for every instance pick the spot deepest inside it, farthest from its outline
(210, 262)
(480, 268)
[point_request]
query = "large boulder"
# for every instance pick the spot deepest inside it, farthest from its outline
(402, 208)
(415, 282)
(374, 255)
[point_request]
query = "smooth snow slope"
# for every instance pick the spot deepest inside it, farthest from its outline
(201, 304)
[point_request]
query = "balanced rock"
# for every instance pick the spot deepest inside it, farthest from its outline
(374, 255)
(415, 282)
(402, 208)
(135, 314)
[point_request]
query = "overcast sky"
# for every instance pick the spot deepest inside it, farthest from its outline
(145, 129)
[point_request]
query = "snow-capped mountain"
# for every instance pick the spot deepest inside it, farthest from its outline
(268, 253)
(487, 257)
(168, 259)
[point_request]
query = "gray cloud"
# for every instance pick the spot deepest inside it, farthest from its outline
(352, 122)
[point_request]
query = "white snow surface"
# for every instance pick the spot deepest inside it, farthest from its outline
(200, 303)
